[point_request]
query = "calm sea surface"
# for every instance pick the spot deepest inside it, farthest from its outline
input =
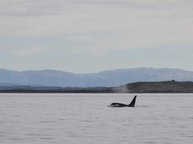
(86, 119)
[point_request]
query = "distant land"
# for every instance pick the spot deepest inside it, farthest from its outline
(137, 87)
(157, 87)
(111, 78)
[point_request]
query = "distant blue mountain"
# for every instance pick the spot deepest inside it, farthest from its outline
(105, 78)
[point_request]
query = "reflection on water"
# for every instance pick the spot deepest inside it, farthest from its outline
(86, 119)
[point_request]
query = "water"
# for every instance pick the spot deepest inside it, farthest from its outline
(86, 119)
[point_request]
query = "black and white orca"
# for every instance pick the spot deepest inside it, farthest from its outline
(132, 104)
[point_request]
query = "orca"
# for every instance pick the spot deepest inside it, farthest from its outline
(132, 104)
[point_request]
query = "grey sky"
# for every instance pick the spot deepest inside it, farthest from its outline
(94, 35)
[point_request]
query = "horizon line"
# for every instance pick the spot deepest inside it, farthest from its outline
(50, 69)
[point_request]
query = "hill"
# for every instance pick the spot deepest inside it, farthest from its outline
(113, 78)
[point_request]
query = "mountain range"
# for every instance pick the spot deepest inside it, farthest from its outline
(109, 78)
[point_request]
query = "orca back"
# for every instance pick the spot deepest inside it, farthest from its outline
(132, 104)
(118, 105)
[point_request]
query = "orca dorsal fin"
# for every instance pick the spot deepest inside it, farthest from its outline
(132, 104)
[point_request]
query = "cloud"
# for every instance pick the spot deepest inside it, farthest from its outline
(93, 25)
(28, 51)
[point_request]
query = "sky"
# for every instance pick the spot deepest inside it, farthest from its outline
(95, 35)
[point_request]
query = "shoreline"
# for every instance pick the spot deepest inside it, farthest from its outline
(138, 87)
